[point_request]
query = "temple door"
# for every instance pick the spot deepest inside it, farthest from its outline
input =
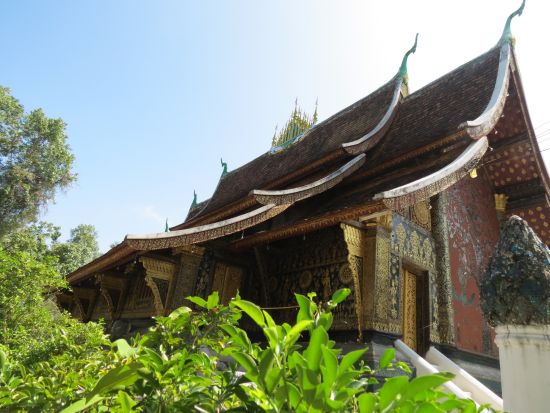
(227, 280)
(415, 312)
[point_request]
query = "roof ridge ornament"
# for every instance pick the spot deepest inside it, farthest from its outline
(403, 68)
(224, 166)
(507, 36)
(194, 202)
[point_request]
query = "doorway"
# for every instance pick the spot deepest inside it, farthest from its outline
(416, 311)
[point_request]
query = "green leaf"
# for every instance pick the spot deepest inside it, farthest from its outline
(391, 388)
(213, 300)
(197, 300)
(82, 404)
(313, 352)
(182, 311)
(330, 366)
(272, 378)
(266, 363)
(420, 384)
(269, 319)
(303, 303)
(387, 358)
(246, 362)
(340, 295)
(294, 395)
(366, 403)
(125, 401)
(295, 332)
(252, 310)
(349, 360)
(119, 376)
(124, 349)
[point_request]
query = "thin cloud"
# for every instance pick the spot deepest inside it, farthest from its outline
(150, 213)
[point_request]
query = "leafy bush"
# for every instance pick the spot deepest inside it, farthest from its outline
(202, 361)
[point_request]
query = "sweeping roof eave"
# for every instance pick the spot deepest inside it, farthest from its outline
(136, 244)
(354, 206)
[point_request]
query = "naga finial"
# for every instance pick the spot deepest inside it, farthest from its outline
(403, 68)
(507, 32)
(194, 202)
(224, 166)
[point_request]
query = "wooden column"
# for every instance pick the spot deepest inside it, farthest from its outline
(355, 241)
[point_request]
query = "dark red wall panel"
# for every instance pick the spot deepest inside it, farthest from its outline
(473, 234)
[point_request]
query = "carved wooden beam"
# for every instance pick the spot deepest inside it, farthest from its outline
(159, 277)
(113, 290)
(85, 299)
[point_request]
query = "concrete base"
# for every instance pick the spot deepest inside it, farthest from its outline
(524, 353)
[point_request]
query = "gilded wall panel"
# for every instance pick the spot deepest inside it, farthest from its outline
(386, 286)
(315, 263)
(414, 244)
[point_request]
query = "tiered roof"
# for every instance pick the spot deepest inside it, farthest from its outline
(386, 151)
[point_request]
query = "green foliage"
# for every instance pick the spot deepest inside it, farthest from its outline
(202, 361)
(32, 329)
(35, 161)
(41, 241)
(80, 249)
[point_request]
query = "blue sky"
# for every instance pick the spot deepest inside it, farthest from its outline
(155, 92)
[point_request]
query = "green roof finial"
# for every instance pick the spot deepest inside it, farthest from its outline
(166, 228)
(224, 166)
(507, 32)
(194, 203)
(403, 68)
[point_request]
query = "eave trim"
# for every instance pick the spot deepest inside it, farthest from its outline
(436, 182)
(369, 140)
(202, 233)
(485, 122)
(291, 195)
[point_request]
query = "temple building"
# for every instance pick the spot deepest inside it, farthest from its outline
(398, 196)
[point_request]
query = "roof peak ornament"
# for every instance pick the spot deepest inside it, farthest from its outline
(403, 68)
(507, 36)
(194, 202)
(294, 129)
(224, 166)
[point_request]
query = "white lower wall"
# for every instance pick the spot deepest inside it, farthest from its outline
(524, 353)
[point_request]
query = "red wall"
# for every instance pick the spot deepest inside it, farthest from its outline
(473, 234)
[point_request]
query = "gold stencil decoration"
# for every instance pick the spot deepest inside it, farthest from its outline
(420, 214)
(345, 274)
(382, 278)
(409, 309)
(401, 236)
(305, 280)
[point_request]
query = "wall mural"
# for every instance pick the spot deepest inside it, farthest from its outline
(473, 232)
(315, 263)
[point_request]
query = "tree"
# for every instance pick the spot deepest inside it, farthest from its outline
(80, 249)
(35, 161)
